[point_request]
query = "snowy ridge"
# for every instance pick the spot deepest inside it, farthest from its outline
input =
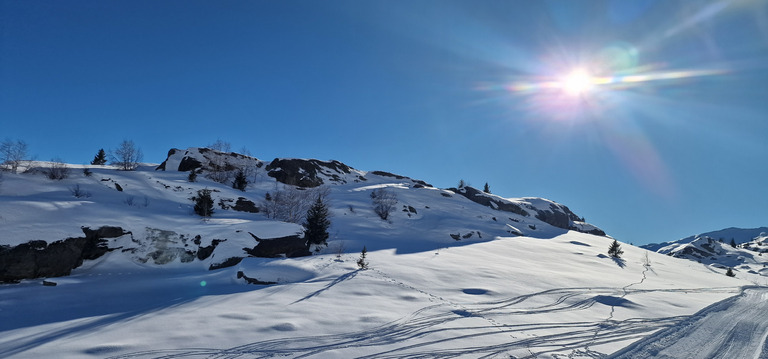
(448, 276)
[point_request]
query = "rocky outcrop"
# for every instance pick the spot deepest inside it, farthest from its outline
(289, 246)
(309, 173)
(36, 259)
(417, 183)
(477, 196)
(546, 211)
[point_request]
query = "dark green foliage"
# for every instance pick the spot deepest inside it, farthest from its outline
(361, 263)
(615, 249)
(730, 273)
(192, 177)
(733, 243)
(100, 159)
(204, 203)
(240, 182)
(317, 222)
(487, 188)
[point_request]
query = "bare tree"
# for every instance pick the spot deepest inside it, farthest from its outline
(221, 146)
(384, 202)
(12, 153)
(127, 156)
(290, 204)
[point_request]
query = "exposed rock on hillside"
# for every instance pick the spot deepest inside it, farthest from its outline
(37, 259)
(546, 211)
(310, 173)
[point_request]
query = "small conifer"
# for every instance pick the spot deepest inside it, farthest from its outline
(615, 249)
(100, 159)
(317, 222)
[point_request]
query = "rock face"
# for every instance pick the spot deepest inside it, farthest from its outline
(309, 173)
(37, 259)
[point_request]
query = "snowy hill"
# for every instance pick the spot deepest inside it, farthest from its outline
(452, 272)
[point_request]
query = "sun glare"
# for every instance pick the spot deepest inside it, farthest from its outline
(576, 83)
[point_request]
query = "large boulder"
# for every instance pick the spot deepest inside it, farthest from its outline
(288, 246)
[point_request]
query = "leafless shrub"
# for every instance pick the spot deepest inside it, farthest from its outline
(384, 202)
(59, 170)
(79, 192)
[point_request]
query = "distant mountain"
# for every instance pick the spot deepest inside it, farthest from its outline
(715, 249)
(738, 235)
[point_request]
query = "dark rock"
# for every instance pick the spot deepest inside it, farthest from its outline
(229, 262)
(49, 283)
(189, 164)
(250, 280)
(36, 259)
(118, 187)
(205, 252)
(306, 173)
(484, 199)
(244, 205)
(417, 183)
(289, 246)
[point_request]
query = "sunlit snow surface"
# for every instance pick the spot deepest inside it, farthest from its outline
(551, 293)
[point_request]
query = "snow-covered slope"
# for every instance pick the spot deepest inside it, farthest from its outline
(447, 277)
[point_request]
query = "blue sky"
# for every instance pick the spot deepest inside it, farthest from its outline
(670, 138)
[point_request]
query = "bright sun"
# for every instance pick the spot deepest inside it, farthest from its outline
(578, 82)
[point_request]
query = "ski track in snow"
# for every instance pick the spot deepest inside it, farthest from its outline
(435, 330)
(732, 328)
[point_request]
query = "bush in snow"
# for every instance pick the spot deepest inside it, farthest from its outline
(192, 177)
(384, 202)
(730, 273)
(203, 203)
(79, 192)
(59, 170)
(317, 222)
(615, 249)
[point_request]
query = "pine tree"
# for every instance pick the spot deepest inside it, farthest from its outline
(361, 263)
(100, 159)
(487, 188)
(204, 203)
(317, 222)
(192, 177)
(615, 249)
(733, 243)
(240, 181)
(729, 273)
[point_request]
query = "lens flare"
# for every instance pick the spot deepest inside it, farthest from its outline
(578, 82)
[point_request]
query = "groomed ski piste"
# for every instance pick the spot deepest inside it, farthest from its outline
(550, 293)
